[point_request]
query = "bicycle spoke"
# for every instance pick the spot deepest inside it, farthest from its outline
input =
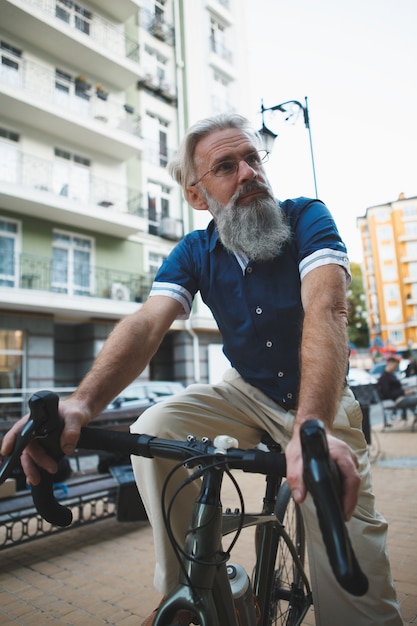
(290, 599)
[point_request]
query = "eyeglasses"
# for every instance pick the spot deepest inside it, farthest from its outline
(228, 167)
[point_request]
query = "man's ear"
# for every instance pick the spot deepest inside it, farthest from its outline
(195, 198)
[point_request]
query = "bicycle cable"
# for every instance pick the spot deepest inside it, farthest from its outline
(179, 551)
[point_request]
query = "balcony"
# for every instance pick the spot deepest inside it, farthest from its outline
(119, 10)
(163, 89)
(157, 26)
(30, 185)
(102, 292)
(81, 116)
(89, 42)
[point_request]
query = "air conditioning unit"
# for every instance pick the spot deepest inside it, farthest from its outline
(171, 228)
(119, 292)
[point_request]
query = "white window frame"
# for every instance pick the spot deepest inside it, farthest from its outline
(12, 279)
(72, 176)
(11, 64)
(77, 15)
(68, 243)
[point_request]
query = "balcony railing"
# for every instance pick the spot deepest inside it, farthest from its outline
(39, 81)
(29, 271)
(96, 27)
(28, 171)
(157, 26)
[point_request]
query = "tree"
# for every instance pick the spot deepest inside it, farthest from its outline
(357, 316)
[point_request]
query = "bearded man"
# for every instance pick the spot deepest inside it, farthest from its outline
(275, 275)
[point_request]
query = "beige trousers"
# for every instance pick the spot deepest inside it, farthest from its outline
(235, 408)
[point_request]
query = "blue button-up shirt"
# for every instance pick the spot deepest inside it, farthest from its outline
(257, 305)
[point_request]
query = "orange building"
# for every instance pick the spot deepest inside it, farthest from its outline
(389, 243)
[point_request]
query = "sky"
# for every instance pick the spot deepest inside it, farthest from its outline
(356, 62)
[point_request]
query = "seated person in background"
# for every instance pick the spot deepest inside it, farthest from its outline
(390, 388)
(411, 368)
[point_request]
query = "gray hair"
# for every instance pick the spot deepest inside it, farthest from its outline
(182, 167)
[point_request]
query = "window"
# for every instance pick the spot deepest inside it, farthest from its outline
(412, 270)
(389, 272)
(383, 215)
(63, 83)
(72, 264)
(218, 39)
(411, 249)
(71, 93)
(384, 233)
(156, 130)
(410, 229)
(410, 211)
(396, 337)
(158, 206)
(9, 156)
(163, 147)
(155, 66)
(9, 252)
(71, 176)
(11, 61)
(74, 14)
(386, 251)
(11, 359)
(220, 93)
(154, 263)
(160, 9)
(217, 36)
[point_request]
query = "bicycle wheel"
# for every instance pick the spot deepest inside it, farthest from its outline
(291, 595)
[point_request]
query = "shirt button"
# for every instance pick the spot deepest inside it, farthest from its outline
(249, 270)
(280, 374)
(258, 310)
(269, 344)
(289, 395)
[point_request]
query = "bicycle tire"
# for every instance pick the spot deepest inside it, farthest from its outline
(291, 596)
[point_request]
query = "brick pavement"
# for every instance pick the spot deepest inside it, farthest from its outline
(102, 573)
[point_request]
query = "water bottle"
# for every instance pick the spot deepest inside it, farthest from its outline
(242, 595)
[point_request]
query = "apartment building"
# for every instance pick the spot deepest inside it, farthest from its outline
(94, 97)
(389, 242)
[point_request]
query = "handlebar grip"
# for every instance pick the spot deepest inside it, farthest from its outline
(323, 481)
(44, 411)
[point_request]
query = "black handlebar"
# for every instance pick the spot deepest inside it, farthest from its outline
(320, 474)
(323, 481)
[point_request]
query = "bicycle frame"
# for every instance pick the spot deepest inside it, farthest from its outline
(204, 587)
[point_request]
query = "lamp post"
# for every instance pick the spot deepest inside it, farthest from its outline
(268, 137)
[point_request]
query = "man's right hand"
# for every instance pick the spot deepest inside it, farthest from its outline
(75, 415)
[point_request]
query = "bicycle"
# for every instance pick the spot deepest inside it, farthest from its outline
(279, 591)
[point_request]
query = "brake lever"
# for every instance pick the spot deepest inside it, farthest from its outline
(49, 426)
(323, 480)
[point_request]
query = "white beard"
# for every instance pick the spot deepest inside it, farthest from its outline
(258, 229)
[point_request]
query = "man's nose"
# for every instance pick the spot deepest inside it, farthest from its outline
(245, 171)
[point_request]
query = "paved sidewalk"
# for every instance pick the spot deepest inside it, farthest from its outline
(102, 573)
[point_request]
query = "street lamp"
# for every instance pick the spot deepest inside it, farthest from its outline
(268, 137)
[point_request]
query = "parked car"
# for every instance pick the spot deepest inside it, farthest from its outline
(134, 400)
(123, 410)
(357, 376)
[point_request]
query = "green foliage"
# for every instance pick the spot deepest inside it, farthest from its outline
(357, 317)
